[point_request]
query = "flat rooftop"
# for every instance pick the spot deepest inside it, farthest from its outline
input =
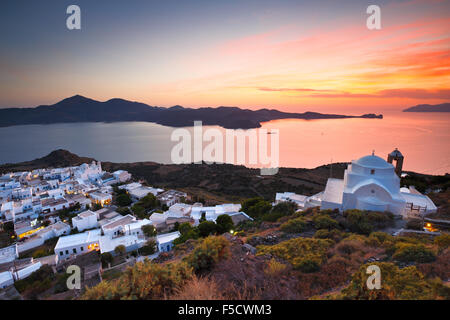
(119, 222)
(167, 237)
(107, 244)
(78, 239)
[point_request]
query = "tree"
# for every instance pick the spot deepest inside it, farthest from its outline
(203, 217)
(139, 211)
(149, 247)
(117, 190)
(149, 230)
(106, 258)
(185, 227)
(8, 226)
(256, 207)
(148, 202)
(187, 232)
(123, 200)
(120, 249)
(224, 223)
(206, 228)
(124, 211)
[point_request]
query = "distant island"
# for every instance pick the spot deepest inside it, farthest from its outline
(443, 107)
(82, 109)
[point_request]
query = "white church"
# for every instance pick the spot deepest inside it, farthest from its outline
(371, 183)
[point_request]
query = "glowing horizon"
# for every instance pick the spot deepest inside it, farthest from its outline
(286, 55)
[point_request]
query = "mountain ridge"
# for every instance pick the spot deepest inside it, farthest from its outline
(78, 108)
(442, 107)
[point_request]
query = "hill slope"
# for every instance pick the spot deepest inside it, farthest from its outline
(213, 183)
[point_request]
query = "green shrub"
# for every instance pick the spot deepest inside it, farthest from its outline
(208, 252)
(307, 265)
(324, 221)
(38, 281)
(297, 249)
(442, 241)
(407, 252)
(144, 281)
(333, 234)
(357, 221)
(402, 284)
(380, 219)
(380, 239)
(40, 253)
(296, 225)
(61, 282)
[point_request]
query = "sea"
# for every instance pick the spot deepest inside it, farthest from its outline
(423, 139)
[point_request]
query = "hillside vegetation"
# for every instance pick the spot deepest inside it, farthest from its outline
(325, 259)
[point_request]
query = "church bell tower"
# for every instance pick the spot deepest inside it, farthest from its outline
(398, 157)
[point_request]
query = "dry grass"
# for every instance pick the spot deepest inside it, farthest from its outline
(198, 288)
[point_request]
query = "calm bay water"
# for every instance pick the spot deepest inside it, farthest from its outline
(424, 140)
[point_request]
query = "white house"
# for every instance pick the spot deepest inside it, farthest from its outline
(39, 237)
(122, 175)
(139, 193)
(27, 271)
(80, 199)
(124, 225)
(73, 245)
(371, 183)
(130, 242)
(100, 198)
(6, 279)
(8, 254)
(298, 199)
(116, 226)
(50, 204)
(85, 220)
(22, 193)
(211, 213)
(130, 186)
(164, 241)
(171, 197)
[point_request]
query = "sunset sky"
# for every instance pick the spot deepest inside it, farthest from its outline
(289, 55)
